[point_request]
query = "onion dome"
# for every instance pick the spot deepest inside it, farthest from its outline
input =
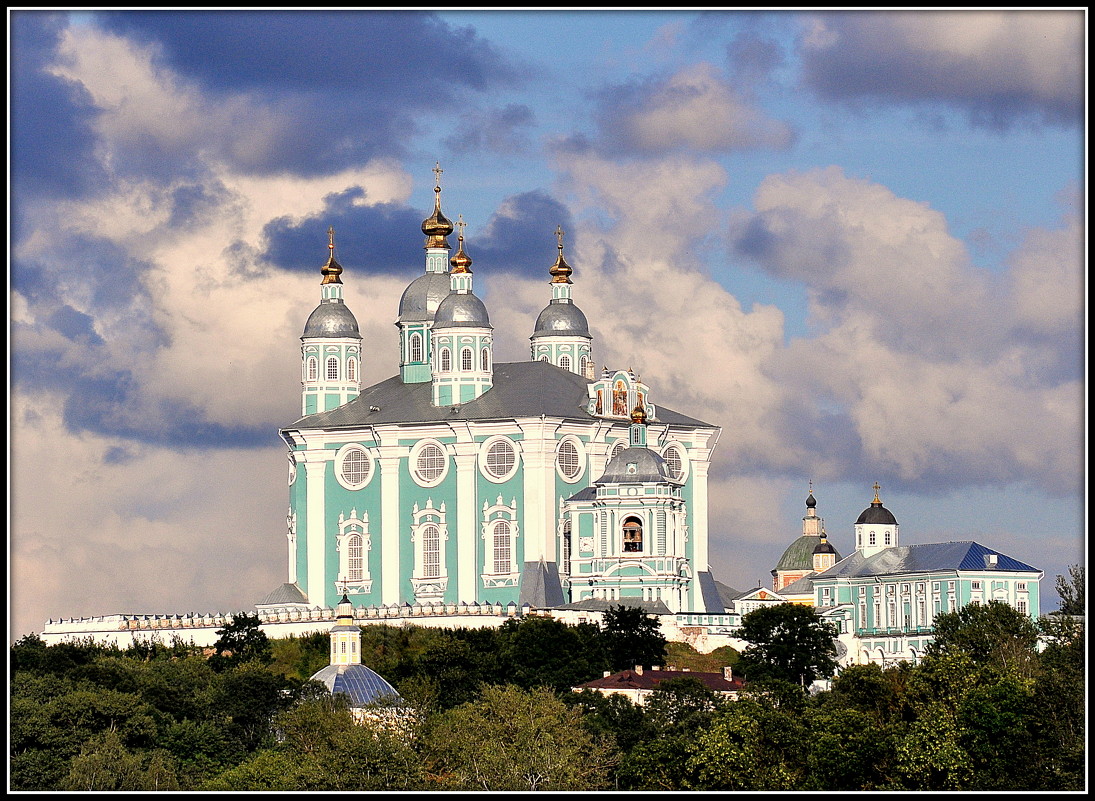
(876, 513)
(811, 502)
(560, 271)
(561, 317)
(638, 415)
(825, 547)
(461, 262)
(461, 309)
(436, 227)
(422, 297)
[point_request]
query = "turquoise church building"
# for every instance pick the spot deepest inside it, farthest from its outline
(460, 480)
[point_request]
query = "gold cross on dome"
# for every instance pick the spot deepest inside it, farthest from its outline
(559, 235)
(876, 489)
(331, 238)
(437, 172)
(461, 225)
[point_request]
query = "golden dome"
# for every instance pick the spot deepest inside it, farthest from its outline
(437, 226)
(638, 414)
(560, 271)
(332, 269)
(461, 262)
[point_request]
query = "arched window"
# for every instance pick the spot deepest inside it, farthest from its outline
(484, 359)
(870, 538)
(446, 360)
(355, 560)
(619, 400)
(600, 402)
(503, 542)
(332, 369)
(313, 368)
(619, 446)
(543, 358)
(431, 550)
(351, 370)
(465, 360)
(583, 364)
(633, 535)
(564, 362)
(886, 538)
(416, 348)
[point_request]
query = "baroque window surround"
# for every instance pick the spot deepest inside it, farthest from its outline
(349, 580)
(429, 588)
(493, 515)
(489, 453)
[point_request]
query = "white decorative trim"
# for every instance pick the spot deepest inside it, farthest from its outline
(429, 588)
(500, 512)
(413, 463)
(682, 453)
(292, 469)
(484, 449)
(348, 527)
(583, 459)
(340, 458)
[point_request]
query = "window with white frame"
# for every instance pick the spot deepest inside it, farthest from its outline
(619, 446)
(975, 585)
(1021, 606)
(313, 368)
(416, 348)
(431, 550)
(351, 369)
(498, 459)
(445, 360)
(675, 460)
(870, 538)
(353, 546)
(564, 567)
(568, 459)
(484, 359)
(429, 464)
(332, 368)
(503, 544)
(466, 360)
(353, 466)
(1021, 586)
(564, 362)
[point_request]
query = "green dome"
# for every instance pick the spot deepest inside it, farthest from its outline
(799, 554)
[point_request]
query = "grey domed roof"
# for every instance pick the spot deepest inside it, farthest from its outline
(331, 318)
(461, 309)
(422, 297)
(559, 317)
(636, 465)
(825, 547)
(363, 684)
(878, 514)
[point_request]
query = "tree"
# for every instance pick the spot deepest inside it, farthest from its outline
(1071, 591)
(631, 637)
(517, 740)
(542, 651)
(787, 641)
(242, 640)
(994, 632)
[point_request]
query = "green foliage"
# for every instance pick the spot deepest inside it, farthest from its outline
(241, 641)
(516, 740)
(1071, 591)
(631, 637)
(993, 633)
(542, 651)
(682, 655)
(787, 641)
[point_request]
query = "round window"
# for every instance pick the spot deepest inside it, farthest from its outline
(354, 467)
(430, 463)
(569, 460)
(501, 458)
(675, 461)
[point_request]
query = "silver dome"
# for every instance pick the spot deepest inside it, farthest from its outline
(331, 318)
(461, 309)
(634, 466)
(422, 297)
(561, 318)
(364, 685)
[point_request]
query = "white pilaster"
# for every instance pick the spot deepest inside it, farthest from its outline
(315, 466)
(467, 572)
(389, 526)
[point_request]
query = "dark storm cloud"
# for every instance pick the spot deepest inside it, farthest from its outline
(51, 138)
(1022, 66)
(387, 238)
(753, 59)
(344, 86)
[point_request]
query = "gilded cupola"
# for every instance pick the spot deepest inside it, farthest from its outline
(560, 271)
(461, 262)
(437, 226)
(332, 269)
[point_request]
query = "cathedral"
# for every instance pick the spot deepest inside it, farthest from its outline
(464, 481)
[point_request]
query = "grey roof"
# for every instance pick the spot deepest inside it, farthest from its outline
(709, 591)
(800, 586)
(331, 318)
(520, 389)
(964, 555)
(285, 594)
(461, 309)
(561, 317)
(602, 605)
(727, 593)
(363, 684)
(826, 547)
(540, 585)
(878, 514)
(636, 466)
(422, 297)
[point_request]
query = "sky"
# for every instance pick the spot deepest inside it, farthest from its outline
(853, 240)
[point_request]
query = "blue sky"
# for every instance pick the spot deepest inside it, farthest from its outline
(854, 240)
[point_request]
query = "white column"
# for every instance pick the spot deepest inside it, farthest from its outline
(315, 466)
(389, 526)
(538, 455)
(467, 534)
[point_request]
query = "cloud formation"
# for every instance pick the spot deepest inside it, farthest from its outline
(1000, 67)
